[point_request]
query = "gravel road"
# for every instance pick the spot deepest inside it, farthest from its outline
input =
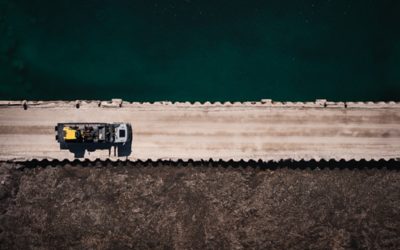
(247, 131)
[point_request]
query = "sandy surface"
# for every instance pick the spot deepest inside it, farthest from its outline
(201, 206)
(245, 131)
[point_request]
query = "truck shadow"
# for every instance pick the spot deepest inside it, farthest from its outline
(114, 149)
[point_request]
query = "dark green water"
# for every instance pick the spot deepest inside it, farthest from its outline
(200, 50)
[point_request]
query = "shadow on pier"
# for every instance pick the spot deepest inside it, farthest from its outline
(114, 149)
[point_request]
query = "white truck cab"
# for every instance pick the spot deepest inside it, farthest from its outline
(121, 133)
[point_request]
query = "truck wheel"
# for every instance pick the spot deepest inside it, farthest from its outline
(56, 137)
(55, 128)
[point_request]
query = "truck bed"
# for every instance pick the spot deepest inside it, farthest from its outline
(89, 132)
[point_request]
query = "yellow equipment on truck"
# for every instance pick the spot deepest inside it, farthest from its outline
(115, 133)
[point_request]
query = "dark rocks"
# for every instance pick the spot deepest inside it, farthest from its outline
(136, 206)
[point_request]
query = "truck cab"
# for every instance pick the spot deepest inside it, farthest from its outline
(122, 133)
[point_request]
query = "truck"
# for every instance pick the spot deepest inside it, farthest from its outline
(95, 133)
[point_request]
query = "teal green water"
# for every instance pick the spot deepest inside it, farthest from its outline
(191, 50)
